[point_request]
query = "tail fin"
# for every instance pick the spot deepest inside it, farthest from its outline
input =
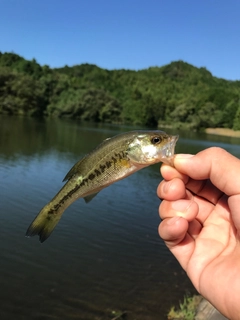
(43, 224)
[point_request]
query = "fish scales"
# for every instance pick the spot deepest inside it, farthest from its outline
(98, 168)
(96, 177)
(114, 159)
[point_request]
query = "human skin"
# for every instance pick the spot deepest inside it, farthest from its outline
(200, 212)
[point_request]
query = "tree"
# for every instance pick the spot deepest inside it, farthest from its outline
(178, 94)
(236, 123)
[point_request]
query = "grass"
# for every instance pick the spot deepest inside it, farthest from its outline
(186, 310)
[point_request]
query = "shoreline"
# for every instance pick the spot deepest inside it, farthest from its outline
(223, 132)
(195, 308)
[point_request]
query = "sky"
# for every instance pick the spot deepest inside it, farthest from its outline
(126, 34)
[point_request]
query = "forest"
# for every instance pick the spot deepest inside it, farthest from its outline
(177, 95)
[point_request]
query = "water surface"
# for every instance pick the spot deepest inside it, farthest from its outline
(105, 255)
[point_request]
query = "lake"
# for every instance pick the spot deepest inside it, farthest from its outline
(104, 256)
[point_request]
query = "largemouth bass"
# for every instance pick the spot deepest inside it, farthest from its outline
(114, 159)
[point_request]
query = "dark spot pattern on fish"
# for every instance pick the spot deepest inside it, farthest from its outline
(119, 155)
(91, 176)
(103, 167)
(53, 210)
(98, 173)
(114, 160)
(68, 195)
(108, 164)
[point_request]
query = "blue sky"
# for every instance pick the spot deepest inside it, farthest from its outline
(129, 34)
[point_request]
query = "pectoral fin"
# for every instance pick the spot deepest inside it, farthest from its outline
(90, 197)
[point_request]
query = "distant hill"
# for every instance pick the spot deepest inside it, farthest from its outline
(176, 94)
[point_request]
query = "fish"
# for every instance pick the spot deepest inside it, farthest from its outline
(114, 159)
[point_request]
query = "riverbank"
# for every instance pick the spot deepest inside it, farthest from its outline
(195, 308)
(223, 132)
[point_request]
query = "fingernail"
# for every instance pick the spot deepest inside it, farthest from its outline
(173, 220)
(181, 205)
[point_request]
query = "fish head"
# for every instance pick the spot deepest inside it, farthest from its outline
(149, 147)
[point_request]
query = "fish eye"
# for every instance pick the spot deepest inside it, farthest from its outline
(156, 140)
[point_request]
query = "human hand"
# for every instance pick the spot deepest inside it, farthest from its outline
(201, 223)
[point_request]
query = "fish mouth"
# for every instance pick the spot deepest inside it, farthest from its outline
(169, 150)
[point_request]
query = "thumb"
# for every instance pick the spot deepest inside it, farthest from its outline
(216, 164)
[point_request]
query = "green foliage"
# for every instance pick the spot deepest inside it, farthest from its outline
(20, 94)
(236, 123)
(86, 104)
(178, 94)
(229, 113)
(186, 310)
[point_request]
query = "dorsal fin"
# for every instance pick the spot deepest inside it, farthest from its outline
(73, 170)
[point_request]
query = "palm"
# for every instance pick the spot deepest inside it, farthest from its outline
(205, 242)
(214, 262)
(211, 238)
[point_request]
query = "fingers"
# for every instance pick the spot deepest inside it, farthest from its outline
(188, 209)
(174, 189)
(198, 193)
(170, 173)
(204, 189)
(174, 232)
(171, 190)
(216, 164)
